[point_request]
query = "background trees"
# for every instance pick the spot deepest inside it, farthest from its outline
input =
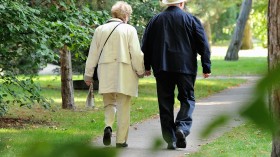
(34, 36)
(36, 32)
(23, 47)
(218, 17)
(23, 34)
(236, 41)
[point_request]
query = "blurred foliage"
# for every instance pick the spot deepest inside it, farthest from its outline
(224, 27)
(259, 21)
(223, 14)
(220, 14)
(210, 9)
(69, 150)
(143, 11)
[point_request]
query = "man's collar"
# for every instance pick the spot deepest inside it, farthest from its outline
(173, 8)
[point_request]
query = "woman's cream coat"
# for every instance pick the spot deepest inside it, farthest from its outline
(121, 61)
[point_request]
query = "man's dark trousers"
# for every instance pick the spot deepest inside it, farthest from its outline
(166, 83)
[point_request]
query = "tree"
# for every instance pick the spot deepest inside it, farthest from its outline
(143, 11)
(22, 34)
(40, 32)
(71, 31)
(259, 21)
(232, 52)
(210, 11)
(23, 49)
(223, 29)
(274, 61)
(247, 42)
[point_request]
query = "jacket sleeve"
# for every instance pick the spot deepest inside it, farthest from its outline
(202, 45)
(146, 47)
(137, 56)
(92, 59)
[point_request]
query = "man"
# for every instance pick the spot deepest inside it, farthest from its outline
(171, 42)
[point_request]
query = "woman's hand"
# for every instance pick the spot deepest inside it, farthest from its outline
(88, 82)
(148, 72)
(206, 75)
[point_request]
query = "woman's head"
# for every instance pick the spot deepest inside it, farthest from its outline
(121, 10)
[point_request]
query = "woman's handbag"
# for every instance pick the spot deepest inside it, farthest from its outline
(90, 97)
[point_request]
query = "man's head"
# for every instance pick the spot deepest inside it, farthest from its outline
(168, 2)
(178, 3)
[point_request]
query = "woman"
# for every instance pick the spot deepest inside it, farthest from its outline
(120, 64)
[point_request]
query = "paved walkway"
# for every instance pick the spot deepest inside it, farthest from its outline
(141, 136)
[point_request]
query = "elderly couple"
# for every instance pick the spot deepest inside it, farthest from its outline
(170, 45)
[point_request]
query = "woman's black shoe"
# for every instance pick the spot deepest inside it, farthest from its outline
(121, 145)
(107, 136)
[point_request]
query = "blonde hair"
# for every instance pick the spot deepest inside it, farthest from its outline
(120, 10)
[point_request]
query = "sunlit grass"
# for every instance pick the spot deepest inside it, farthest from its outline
(245, 140)
(244, 66)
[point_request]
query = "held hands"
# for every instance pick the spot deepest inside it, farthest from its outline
(88, 82)
(148, 72)
(206, 75)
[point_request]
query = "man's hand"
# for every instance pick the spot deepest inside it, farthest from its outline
(88, 82)
(206, 75)
(148, 72)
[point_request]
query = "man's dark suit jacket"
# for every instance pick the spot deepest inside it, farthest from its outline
(171, 42)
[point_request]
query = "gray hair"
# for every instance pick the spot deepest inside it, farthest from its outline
(121, 9)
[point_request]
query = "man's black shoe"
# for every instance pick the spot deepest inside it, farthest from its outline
(171, 146)
(121, 145)
(107, 136)
(181, 139)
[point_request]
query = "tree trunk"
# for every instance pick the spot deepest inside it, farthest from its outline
(247, 42)
(274, 60)
(67, 90)
(232, 52)
(104, 4)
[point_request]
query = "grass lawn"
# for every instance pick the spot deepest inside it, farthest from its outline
(246, 140)
(243, 67)
(60, 126)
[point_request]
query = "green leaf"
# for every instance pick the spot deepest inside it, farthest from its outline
(220, 120)
(2, 6)
(258, 112)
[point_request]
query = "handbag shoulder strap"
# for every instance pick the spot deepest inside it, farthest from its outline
(108, 38)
